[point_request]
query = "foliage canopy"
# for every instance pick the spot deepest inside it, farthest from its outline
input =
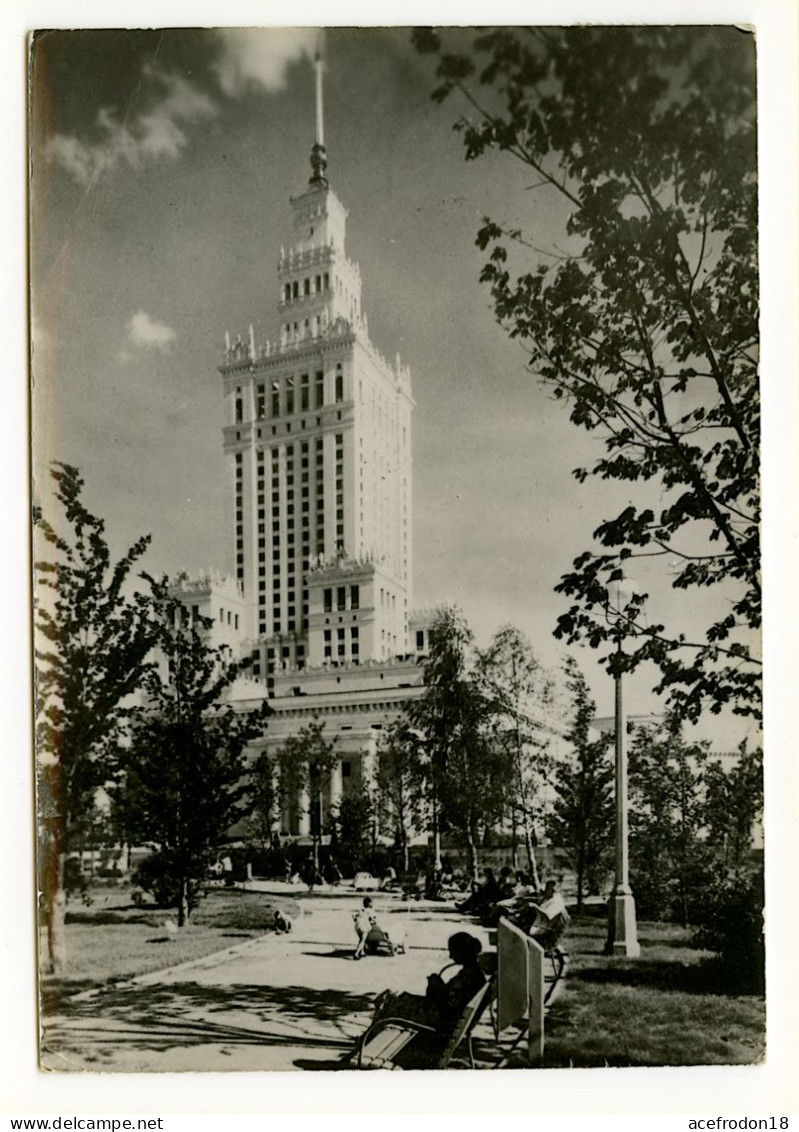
(93, 641)
(185, 779)
(645, 321)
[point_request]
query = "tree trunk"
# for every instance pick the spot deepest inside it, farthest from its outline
(316, 834)
(514, 852)
(580, 877)
(471, 850)
(56, 903)
(531, 861)
(183, 903)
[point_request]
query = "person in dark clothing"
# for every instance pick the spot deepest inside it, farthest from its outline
(440, 1007)
(507, 882)
(486, 893)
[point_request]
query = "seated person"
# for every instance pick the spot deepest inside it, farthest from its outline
(517, 903)
(447, 876)
(507, 883)
(486, 894)
(524, 886)
(551, 917)
(390, 878)
(440, 1007)
(282, 922)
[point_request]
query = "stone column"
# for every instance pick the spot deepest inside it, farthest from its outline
(305, 810)
(368, 776)
(278, 822)
(336, 786)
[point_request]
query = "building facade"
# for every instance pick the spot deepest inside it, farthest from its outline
(317, 442)
(317, 439)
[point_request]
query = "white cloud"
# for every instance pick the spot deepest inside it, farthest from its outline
(146, 333)
(154, 132)
(261, 56)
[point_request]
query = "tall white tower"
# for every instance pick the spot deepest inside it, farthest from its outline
(317, 437)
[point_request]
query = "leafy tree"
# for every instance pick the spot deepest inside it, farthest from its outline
(520, 694)
(185, 770)
(465, 770)
(643, 319)
(352, 825)
(670, 858)
(733, 803)
(305, 761)
(400, 786)
(265, 796)
(582, 821)
(92, 643)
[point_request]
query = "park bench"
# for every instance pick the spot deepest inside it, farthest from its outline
(530, 978)
(388, 1037)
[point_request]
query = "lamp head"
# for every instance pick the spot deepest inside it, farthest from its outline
(620, 592)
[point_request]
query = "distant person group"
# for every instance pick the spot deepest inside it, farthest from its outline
(514, 896)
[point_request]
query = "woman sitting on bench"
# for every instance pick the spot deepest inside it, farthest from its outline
(440, 1007)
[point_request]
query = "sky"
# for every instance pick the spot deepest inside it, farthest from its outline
(163, 164)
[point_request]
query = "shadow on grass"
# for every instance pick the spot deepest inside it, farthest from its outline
(182, 1015)
(126, 915)
(708, 976)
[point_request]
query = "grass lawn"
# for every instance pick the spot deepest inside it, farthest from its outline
(113, 939)
(669, 1007)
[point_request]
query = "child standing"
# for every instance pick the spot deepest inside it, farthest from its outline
(364, 920)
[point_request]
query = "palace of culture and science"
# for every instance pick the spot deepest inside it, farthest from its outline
(317, 442)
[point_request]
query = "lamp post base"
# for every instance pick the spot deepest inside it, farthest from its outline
(623, 932)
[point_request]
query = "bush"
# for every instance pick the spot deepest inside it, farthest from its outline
(731, 923)
(154, 875)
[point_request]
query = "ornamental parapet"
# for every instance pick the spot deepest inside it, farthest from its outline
(203, 581)
(320, 567)
(341, 667)
(246, 353)
(243, 354)
(300, 259)
(296, 259)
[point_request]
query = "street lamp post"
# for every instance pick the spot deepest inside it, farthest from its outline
(622, 929)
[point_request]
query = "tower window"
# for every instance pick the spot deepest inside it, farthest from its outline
(320, 389)
(339, 383)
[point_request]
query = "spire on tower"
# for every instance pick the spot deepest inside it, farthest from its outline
(319, 153)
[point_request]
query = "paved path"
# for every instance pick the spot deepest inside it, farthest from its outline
(276, 1002)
